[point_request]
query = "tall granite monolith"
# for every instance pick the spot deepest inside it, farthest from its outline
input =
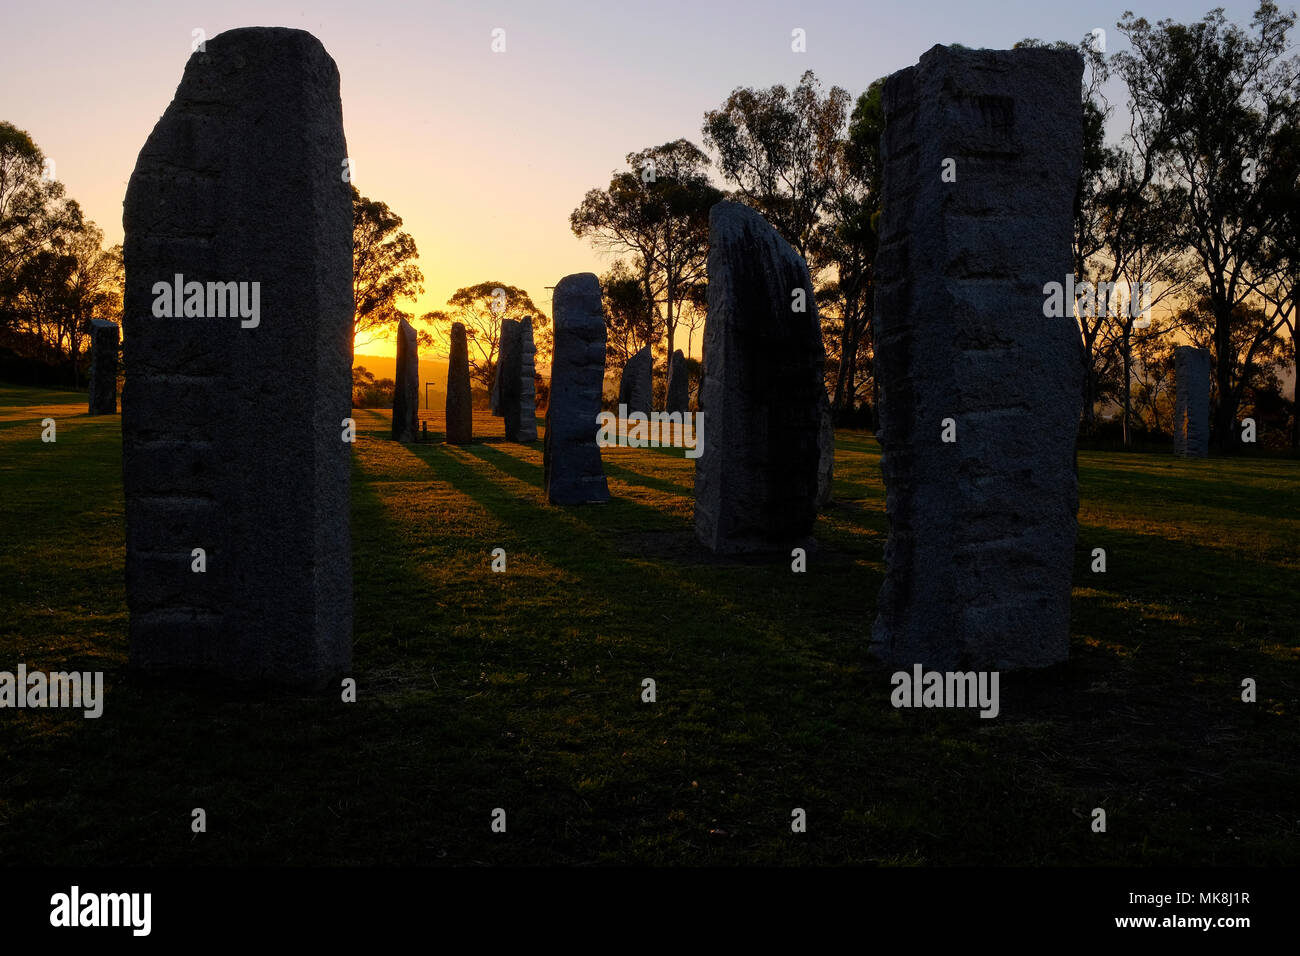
(237, 329)
(1191, 402)
(572, 470)
(460, 401)
(756, 479)
(636, 387)
(509, 370)
(406, 392)
(527, 383)
(980, 391)
(103, 367)
(679, 385)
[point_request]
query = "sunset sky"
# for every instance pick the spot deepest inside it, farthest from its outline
(483, 154)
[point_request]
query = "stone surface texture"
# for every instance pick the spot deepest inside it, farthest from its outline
(636, 387)
(103, 367)
(527, 383)
(679, 385)
(406, 392)
(233, 436)
(1191, 402)
(460, 400)
(509, 364)
(572, 470)
(981, 529)
(756, 479)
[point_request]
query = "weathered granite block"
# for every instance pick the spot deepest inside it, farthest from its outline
(756, 479)
(406, 393)
(679, 385)
(980, 394)
(572, 470)
(237, 197)
(527, 383)
(636, 387)
(460, 407)
(509, 370)
(1191, 402)
(103, 367)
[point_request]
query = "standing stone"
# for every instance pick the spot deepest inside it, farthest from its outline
(756, 480)
(509, 369)
(980, 393)
(406, 393)
(494, 393)
(234, 407)
(1191, 402)
(460, 408)
(103, 367)
(527, 383)
(679, 385)
(636, 388)
(826, 451)
(572, 470)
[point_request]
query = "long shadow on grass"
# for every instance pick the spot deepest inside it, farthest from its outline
(798, 700)
(1173, 485)
(647, 481)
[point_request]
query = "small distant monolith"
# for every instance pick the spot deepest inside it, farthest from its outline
(679, 385)
(980, 389)
(460, 409)
(509, 362)
(527, 383)
(572, 470)
(103, 367)
(406, 393)
(636, 388)
(1191, 402)
(756, 479)
(236, 407)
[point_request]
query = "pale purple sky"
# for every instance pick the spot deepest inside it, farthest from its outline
(485, 154)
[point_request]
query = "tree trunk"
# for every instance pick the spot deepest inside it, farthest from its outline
(671, 320)
(848, 364)
(1295, 386)
(1128, 386)
(1295, 368)
(1225, 411)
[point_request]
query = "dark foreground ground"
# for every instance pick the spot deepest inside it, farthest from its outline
(522, 690)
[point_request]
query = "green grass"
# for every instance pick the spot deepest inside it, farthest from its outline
(522, 690)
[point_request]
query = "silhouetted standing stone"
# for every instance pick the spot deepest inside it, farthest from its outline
(1191, 402)
(572, 470)
(756, 480)
(679, 385)
(509, 369)
(527, 383)
(103, 367)
(636, 388)
(460, 407)
(980, 393)
(406, 393)
(233, 423)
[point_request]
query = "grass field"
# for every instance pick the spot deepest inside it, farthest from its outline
(522, 690)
